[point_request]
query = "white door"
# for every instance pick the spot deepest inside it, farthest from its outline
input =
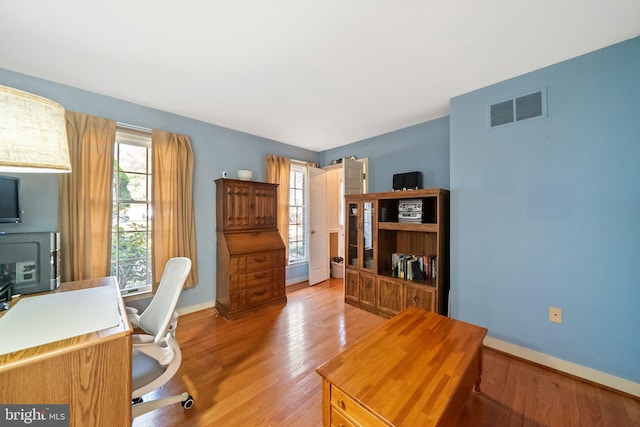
(318, 241)
(353, 176)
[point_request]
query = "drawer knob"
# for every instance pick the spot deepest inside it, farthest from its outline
(260, 276)
(341, 404)
(262, 292)
(416, 299)
(263, 259)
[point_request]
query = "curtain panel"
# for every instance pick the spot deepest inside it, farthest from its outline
(173, 224)
(85, 198)
(277, 172)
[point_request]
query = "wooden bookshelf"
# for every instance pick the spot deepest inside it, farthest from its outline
(374, 233)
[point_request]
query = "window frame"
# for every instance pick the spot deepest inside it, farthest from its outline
(136, 138)
(301, 168)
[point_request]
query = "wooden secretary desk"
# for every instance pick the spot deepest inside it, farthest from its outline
(250, 252)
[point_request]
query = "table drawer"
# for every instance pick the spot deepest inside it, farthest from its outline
(338, 419)
(353, 410)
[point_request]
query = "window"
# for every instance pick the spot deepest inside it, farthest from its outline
(297, 213)
(131, 227)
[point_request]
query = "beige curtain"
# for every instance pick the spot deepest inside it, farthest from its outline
(85, 200)
(173, 225)
(277, 172)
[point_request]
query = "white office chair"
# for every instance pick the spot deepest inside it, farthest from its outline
(156, 357)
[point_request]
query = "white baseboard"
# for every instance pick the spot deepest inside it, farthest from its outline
(193, 308)
(296, 280)
(588, 374)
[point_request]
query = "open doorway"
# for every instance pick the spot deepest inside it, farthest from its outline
(349, 176)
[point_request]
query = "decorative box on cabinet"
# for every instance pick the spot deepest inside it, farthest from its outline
(373, 234)
(250, 252)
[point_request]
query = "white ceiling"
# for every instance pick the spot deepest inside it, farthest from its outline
(314, 74)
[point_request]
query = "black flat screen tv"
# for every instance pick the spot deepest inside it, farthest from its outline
(10, 199)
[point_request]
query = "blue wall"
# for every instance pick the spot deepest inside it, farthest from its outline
(215, 149)
(546, 212)
(423, 147)
(543, 213)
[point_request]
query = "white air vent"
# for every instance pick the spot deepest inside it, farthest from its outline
(524, 107)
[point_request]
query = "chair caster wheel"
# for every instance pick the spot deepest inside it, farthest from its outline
(188, 403)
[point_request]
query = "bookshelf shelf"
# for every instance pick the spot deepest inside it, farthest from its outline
(425, 228)
(375, 235)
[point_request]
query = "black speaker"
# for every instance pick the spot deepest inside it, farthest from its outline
(407, 181)
(398, 181)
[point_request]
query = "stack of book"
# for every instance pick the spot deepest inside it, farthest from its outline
(414, 267)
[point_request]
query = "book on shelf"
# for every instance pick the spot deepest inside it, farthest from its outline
(413, 266)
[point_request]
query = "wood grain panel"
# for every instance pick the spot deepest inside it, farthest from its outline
(390, 294)
(265, 211)
(430, 360)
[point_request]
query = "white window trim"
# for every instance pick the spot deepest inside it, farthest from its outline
(302, 167)
(139, 137)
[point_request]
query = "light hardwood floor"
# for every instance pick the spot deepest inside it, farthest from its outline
(260, 371)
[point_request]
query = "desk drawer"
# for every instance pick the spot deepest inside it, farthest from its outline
(256, 261)
(259, 279)
(250, 297)
(259, 261)
(341, 403)
(338, 419)
(258, 295)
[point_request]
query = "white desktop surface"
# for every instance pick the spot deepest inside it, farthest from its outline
(48, 318)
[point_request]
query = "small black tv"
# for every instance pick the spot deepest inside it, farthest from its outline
(10, 199)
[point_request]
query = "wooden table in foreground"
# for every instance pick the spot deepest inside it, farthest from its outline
(90, 372)
(416, 370)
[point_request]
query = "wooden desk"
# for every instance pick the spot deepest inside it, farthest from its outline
(90, 372)
(416, 370)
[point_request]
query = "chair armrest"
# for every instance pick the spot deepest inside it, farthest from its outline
(134, 317)
(131, 310)
(164, 355)
(141, 339)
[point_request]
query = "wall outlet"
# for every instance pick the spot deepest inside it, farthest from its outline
(555, 315)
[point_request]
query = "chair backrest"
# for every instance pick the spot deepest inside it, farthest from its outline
(156, 318)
